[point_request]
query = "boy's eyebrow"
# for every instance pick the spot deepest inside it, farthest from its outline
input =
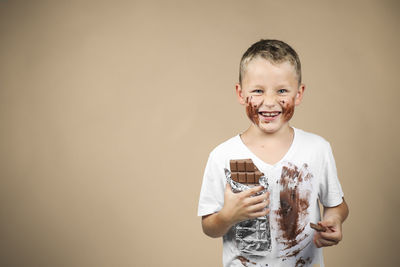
(257, 86)
(282, 85)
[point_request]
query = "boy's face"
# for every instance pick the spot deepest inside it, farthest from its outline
(270, 92)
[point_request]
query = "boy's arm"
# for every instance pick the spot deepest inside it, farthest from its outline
(237, 207)
(332, 220)
(214, 225)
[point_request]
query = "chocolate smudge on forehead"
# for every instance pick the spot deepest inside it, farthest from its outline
(293, 205)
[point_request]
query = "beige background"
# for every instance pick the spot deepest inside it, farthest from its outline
(108, 110)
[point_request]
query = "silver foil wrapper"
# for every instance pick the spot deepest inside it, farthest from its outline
(252, 237)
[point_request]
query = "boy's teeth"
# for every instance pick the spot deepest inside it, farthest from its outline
(269, 114)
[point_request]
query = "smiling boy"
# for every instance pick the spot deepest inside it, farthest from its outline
(299, 167)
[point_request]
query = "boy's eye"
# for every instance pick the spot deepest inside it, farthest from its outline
(257, 91)
(282, 91)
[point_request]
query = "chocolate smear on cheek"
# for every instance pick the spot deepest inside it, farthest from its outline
(251, 111)
(292, 205)
(287, 109)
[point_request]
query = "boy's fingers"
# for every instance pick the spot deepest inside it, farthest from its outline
(327, 223)
(259, 214)
(327, 243)
(228, 188)
(261, 198)
(321, 241)
(253, 191)
(331, 236)
(258, 207)
(318, 243)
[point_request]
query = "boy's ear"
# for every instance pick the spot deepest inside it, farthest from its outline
(239, 94)
(300, 93)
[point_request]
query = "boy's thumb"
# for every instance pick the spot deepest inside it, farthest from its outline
(228, 187)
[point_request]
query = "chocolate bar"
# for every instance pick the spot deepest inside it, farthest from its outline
(252, 237)
(244, 171)
(318, 227)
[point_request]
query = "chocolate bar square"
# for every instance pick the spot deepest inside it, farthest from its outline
(233, 166)
(241, 166)
(242, 177)
(249, 165)
(234, 176)
(250, 178)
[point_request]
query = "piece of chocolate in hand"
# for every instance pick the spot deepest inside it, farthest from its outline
(318, 227)
(244, 171)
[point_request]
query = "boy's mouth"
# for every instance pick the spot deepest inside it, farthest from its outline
(269, 114)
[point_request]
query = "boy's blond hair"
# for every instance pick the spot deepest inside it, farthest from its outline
(274, 51)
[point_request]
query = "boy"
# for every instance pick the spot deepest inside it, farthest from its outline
(298, 168)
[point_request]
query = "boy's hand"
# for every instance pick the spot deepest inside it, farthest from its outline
(244, 205)
(333, 234)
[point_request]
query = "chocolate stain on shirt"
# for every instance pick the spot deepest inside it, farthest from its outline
(293, 205)
(244, 260)
(302, 262)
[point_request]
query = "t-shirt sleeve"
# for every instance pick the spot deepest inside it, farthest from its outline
(213, 187)
(330, 191)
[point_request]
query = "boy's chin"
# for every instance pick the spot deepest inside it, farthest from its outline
(270, 128)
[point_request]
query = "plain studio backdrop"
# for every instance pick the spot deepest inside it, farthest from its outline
(108, 110)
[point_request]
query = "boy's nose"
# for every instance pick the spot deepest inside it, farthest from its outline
(269, 100)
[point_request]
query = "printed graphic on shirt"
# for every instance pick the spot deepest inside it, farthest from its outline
(292, 215)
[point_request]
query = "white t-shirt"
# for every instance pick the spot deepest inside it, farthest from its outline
(306, 174)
